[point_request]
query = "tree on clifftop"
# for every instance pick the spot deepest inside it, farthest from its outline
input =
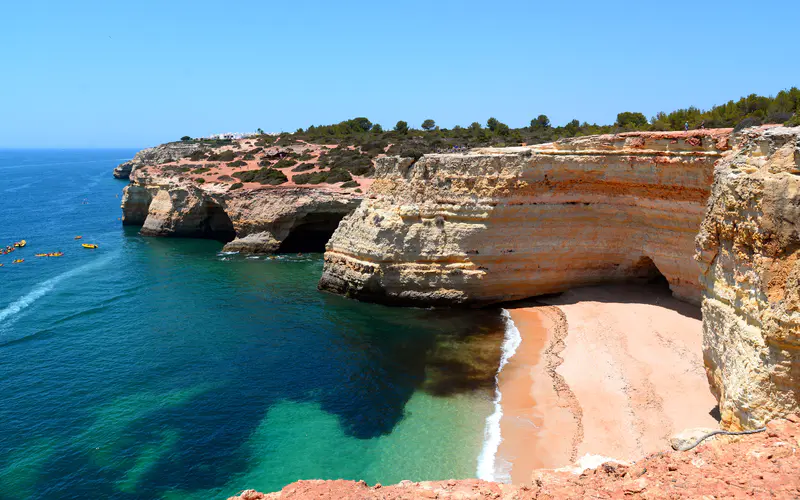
(401, 127)
(628, 119)
(541, 121)
(186, 138)
(492, 123)
(428, 124)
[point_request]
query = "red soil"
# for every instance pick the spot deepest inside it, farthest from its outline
(763, 465)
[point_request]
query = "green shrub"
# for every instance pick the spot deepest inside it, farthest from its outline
(196, 155)
(303, 167)
(200, 170)
(346, 159)
(237, 185)
(350, 184)
(262, 176)
(286, 162)
(794, 121)
(330, 177)
(746, 123)
(200, 180)
(227, 155)
(237, 164)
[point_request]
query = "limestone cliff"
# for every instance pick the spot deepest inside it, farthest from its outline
(249, 220)
(748, 250)
(152, 156)
(502, 224)
(252, 193)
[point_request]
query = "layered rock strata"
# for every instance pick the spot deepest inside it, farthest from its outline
(249, 220)
(748, 250)
(152, 156)
(496, 225)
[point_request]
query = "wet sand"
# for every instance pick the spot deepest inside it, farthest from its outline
(611, 370)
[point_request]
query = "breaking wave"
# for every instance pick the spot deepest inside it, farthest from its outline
(488, 468)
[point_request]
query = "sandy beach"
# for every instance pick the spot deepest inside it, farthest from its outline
(610, 370)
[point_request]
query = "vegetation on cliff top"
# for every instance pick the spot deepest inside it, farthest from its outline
(373, 139)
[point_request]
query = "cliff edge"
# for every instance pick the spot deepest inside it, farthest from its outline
(496, 225)
(748, 251)
(759, 466)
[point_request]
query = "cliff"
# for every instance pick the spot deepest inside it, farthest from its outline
(496, 225)
(153, 156)
(748, 254)
(239, 192)
(758, 466)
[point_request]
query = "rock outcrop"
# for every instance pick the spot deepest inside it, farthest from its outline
(249, 220)
(496, 225)
(170, 151)
(749, 253)
(758, 466)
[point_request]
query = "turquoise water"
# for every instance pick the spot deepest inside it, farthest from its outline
(159, 368)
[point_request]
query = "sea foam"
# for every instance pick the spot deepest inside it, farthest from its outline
(488, 468)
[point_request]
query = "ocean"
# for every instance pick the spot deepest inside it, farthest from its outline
(163, 368)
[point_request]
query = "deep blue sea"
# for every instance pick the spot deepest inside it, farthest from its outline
(161, 368)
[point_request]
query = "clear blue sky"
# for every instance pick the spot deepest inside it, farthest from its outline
(135, 74)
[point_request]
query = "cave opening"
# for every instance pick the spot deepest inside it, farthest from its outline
(645, 271)
(311, 234)
(217, 225)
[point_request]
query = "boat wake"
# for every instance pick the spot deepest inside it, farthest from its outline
(12, 312)
(488, 468)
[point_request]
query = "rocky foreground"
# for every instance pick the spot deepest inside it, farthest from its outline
(762, 465)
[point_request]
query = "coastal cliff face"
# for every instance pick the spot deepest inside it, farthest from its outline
(748, 254)
(153, 156)
(249, 220)
(503, 224)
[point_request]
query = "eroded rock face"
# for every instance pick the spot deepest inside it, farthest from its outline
(748, 253)
(504, 224)
(152, 156)
(249, 220)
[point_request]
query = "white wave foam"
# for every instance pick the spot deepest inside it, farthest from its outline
(12, 311)
(488, 468)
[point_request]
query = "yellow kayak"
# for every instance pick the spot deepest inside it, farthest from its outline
(89, 245)
(78, 237)
(18, 261)
(40, 255)
(20, 243)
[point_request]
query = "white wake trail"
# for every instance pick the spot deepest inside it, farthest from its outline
(13, 310)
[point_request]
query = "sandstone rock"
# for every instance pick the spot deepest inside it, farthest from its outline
(504, 224)
(688, 437)
(749, 253)
(152, 156)
(250, 220)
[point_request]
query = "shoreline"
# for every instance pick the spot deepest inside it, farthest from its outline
(600, 373)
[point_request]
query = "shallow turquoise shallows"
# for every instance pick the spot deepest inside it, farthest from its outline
(160, 368)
